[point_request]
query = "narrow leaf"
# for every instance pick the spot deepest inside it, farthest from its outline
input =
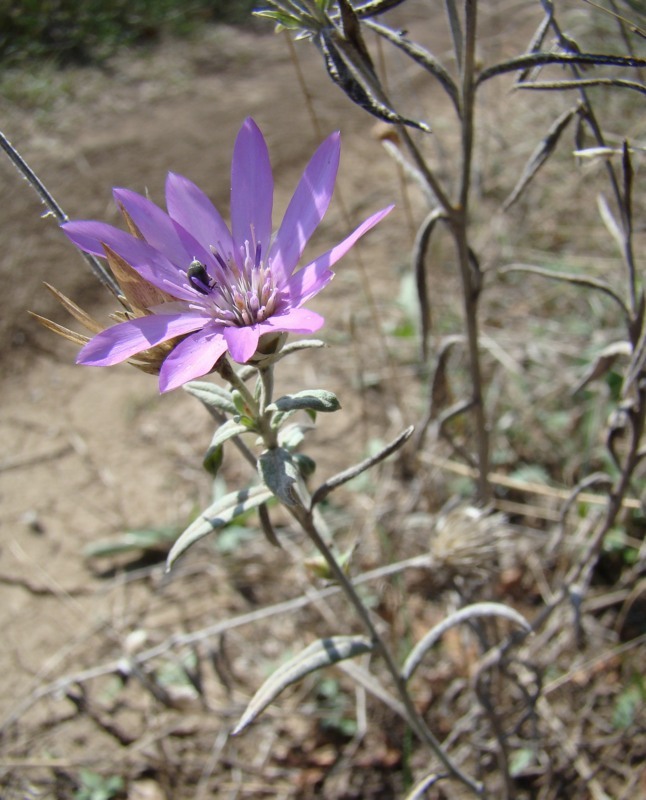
(573, 278)
(540, 155)
(539, 59)
(217, 516)
(602, 364)
(322, 653)
(608, 219)
(227, 431)
(463, 615)
(291, 436)
(374, 7)
(421, 56)
(352, 32)
(211, 395)
(314, 399)
(419, 790)
(583, 83)
(628, 185)
(456, 30)
(213, 460)
(356, 85)
(420, 248)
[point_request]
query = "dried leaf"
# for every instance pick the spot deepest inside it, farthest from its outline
(463, 615)
(421, 56)
(355, 80)
(140, 294)
(540, 155)
(76, 311)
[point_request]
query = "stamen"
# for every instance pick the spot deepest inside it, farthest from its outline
(239, 294)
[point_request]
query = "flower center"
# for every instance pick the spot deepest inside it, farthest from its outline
(236, 295)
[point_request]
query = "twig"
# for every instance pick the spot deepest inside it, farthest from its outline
(98, 269)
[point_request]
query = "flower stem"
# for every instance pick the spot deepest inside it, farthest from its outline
(415, 720)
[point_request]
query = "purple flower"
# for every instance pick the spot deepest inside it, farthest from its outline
(221, 289)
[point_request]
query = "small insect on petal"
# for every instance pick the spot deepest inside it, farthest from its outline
(198, 277)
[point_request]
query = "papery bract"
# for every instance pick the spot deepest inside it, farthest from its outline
(223, 288)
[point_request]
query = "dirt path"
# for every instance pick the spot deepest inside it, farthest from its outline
(90, 453)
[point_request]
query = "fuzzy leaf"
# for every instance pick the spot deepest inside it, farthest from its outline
(217, 516)
(310, 399)
(211, 395)
(306, 465)
(227, 431)
(213, 458)
(281, 474)
(322, 653)
(291, 436)
(463, 615)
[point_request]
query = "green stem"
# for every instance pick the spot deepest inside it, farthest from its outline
(263, 420)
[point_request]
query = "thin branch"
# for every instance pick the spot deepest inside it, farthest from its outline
(98, 269)
(348, 474)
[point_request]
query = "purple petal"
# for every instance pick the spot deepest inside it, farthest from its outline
(155, 226)
(252, 189)
(242, 342)
(306, 208)
(307, 282)
(192, 209)
(193, 357)
(90, 237)
(311, 279)
(297, 320)
(152, 265)
(126, 339)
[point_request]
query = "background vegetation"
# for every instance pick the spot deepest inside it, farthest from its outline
(87, 31)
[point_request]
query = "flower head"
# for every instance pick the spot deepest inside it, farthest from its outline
(212, 289)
